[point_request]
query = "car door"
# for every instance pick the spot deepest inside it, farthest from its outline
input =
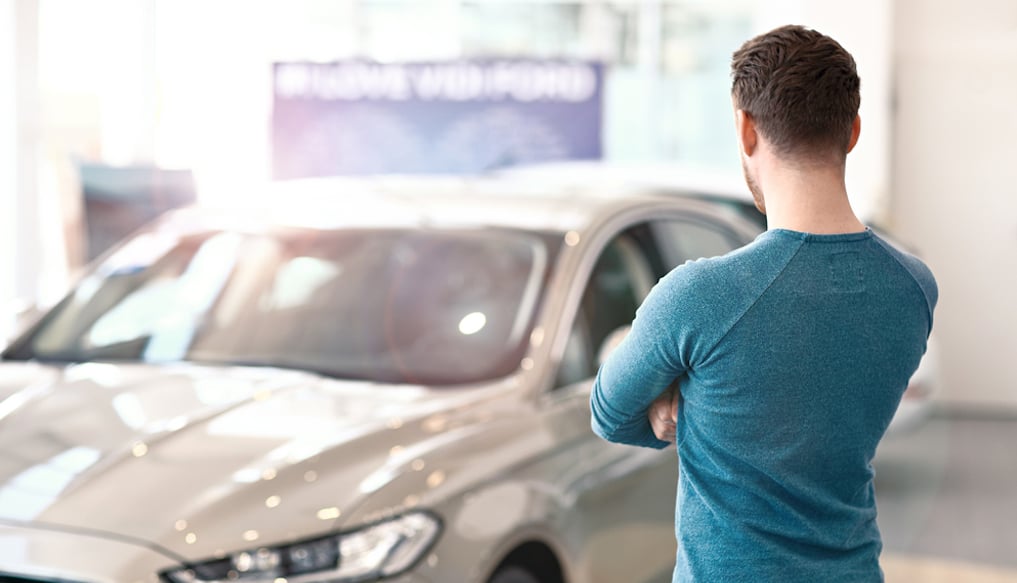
(624, 496)
(622, 511)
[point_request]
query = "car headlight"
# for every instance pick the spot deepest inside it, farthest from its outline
(372, 552)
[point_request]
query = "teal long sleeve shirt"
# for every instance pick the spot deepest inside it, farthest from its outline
(791, 355)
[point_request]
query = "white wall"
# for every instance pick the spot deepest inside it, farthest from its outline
(8, 155)
(937, 164)
(955, 182)
(19, 237)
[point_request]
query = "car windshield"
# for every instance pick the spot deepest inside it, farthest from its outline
(422, 306)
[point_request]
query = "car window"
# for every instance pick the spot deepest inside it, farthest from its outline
(684, 240)
(424, 306)
(620, 279)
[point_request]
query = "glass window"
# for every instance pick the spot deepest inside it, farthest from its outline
(620, 280)
(693, 116)
(389, 305)
(606, 31)
(520, 29)
(688, 240)
(667, 84)
(408, 30)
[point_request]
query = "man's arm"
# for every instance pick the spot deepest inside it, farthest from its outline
(635, 375)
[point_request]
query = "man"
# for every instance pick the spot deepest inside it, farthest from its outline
(777, 367)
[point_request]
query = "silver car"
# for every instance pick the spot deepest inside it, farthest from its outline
(348, 382)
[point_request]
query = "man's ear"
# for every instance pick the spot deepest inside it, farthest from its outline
(746, 128)
(856, 128)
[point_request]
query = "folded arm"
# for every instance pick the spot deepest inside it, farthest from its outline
(637, 374)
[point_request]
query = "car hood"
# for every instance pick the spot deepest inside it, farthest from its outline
(198, 460)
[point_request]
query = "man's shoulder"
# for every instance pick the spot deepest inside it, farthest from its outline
(739, 275)
(747, 263)
(699, 301)
(915, 267)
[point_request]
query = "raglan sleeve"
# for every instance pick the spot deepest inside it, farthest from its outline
(647, 361)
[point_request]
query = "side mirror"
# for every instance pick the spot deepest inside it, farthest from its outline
(611, 342)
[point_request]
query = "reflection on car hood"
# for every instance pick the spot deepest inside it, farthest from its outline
(201, 459)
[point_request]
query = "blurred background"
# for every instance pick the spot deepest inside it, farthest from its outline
(113, 111)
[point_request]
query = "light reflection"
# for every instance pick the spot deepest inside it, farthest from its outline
(395, 423)
(310, 476)
(246, 476)
(572, 238)
(435, 424)
(139, 449)
(244, 562)
(537, 336)
(273, 501)
(107, 375)
(472, 323)
(18, 399)
(87, 288)
(417, 465)
(177, 423)
(267, 560)
(28, 493)
(266, 421)
(251, 535)
(298, 280)
(411, 501)
(395, 451)
(180, 525)
(330, 513)
(377, 480)
(269, 474)
(437, 478)
(191, 538)
(166, 312)
(526, 363)
(299, 452)
(137, 252)
(221, 390)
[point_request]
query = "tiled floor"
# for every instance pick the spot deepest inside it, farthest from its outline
(926, 570)
(900, 569)
(947, 499)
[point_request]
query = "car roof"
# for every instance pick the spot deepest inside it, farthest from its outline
(660, 178)
(531, 202)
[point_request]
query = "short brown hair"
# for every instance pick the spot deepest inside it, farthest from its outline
(802, 90)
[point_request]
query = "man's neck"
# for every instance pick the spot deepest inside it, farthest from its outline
(812, 200)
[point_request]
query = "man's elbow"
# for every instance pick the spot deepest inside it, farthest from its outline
(625, 434)
(606, 432)
(617, 426)
(600, 421)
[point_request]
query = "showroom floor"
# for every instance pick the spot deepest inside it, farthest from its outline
(947, 499)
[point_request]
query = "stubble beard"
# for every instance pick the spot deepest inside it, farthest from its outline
(757, 193)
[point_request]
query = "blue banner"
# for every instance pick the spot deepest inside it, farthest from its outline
(361, 117)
